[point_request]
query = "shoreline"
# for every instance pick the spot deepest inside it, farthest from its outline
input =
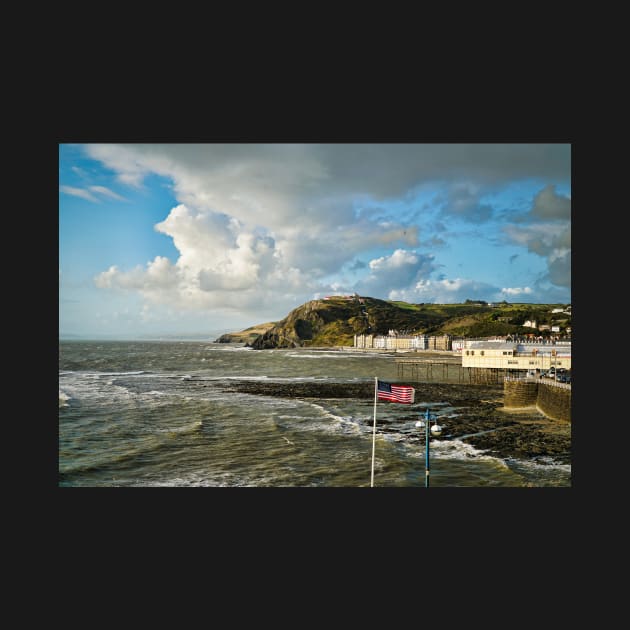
(482, 420)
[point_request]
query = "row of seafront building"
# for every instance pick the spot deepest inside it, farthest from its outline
(488, 353)
(393, 341)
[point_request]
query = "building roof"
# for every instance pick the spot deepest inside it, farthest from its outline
(493, 345)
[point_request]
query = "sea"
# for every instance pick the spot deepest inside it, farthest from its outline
(156, 413)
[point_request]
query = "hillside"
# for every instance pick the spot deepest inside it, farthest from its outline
(335, 321)
(245, 336)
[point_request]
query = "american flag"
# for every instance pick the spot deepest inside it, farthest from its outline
(395, 393)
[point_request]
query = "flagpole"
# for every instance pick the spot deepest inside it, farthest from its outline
(374, 430)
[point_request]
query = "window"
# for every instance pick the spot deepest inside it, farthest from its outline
(532, 362)
(481, 353)
(467, 353)
(513, 362)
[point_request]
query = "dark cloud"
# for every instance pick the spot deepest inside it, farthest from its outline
(462, 200)
(550, 205)
(560, 270)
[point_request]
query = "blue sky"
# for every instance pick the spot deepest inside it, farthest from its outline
(196, 239)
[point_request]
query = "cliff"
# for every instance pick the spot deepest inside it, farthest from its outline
(335, 321)
(245, 336)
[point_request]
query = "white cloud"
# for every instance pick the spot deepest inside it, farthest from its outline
(263, 226)
(398, 259)
(445, 291)
(512, 291)
(397, 272)
(79, 192)
(102, 190)
(86, 193)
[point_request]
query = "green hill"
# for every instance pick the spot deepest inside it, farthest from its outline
(334, 321)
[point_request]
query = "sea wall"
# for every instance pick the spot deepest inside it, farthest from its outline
(519, 393)
(554, 402)
(551, 400)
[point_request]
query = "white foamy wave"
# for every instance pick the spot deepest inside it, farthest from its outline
(346, 423)
(219, 480)
(320, 355)
(456, 449)
(63, 399)
(116, 373)
(85, 387)
(542, 464)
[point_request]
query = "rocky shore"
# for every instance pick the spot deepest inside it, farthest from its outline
(482, 421)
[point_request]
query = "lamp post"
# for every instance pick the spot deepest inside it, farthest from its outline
(436, 429)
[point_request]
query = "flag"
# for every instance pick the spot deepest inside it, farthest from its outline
(395, 393)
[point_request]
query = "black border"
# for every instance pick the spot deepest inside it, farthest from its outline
(472, 521)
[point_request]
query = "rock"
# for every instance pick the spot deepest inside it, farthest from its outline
(511, 435)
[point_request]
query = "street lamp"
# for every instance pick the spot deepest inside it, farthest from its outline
(436, 430)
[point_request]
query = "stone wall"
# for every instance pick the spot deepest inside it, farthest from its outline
(554, 402)
(520, 393)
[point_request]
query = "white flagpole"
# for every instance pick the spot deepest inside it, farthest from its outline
(374, 431)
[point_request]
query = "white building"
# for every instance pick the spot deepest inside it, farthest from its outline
(512, 356)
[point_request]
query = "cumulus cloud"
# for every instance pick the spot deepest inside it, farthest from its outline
(396, 272)
(258, 224)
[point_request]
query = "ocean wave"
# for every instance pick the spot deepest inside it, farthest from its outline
(63, 399)
(208, 479)
(542, 464)
(457, 449)
(132, 373)
(187, 428)
(322, 354)
(345, 423)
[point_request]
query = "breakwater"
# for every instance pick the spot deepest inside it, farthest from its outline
(550, 398)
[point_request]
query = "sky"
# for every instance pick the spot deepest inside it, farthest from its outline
(198, 239)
